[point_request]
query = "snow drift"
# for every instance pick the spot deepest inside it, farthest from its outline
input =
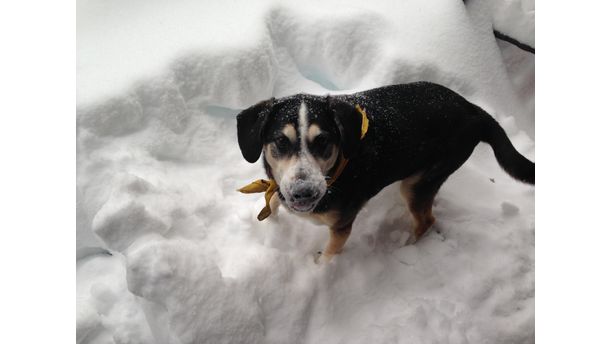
(168, 252)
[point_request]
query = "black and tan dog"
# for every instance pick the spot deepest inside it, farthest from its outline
(326, 156)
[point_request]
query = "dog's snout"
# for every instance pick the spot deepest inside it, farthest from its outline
(303, 193)
(303, 187)
(301, 175)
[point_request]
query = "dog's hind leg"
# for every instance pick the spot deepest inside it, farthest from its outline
(337, 239)
(420, 192)
(419, 196)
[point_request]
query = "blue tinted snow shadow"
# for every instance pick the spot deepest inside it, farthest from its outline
(318, 77)
(220, 111)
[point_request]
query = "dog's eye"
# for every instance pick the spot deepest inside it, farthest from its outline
(321, 144)
(321, 141)
(282, 144)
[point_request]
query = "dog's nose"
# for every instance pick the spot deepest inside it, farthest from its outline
(303, 193)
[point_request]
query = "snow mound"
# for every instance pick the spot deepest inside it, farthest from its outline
(158, 164)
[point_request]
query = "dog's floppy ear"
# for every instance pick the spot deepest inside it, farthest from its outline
(251, 124)
(348, 120)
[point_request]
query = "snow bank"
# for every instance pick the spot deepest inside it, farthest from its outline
(515, 19)
(158, 164)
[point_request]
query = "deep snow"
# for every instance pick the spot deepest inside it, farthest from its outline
(158, 164)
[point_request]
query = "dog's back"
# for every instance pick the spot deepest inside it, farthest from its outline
(427, 128)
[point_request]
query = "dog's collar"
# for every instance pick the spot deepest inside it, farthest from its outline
(270, 186)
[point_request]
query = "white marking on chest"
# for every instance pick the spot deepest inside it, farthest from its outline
(329, 218)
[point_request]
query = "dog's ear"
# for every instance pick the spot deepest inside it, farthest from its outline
(251, 125)
(348, 120)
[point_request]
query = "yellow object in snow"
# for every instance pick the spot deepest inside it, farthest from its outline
(262, 185)
(270, 186)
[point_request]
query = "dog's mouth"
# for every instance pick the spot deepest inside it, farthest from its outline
(302, 207)
(298, 206)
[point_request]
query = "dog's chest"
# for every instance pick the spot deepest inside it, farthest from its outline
(328, 218)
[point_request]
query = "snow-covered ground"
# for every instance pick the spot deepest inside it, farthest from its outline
(167, 250)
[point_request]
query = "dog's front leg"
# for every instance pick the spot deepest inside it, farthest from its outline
(337, 239)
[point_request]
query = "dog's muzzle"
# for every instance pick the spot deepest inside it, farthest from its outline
(303, 196)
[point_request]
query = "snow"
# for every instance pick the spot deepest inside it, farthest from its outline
(158, 164)
(515, 19)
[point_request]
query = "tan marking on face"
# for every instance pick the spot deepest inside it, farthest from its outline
(327, 164)
(289, 131)
(279, 166)
(313, 131)
(324, 164)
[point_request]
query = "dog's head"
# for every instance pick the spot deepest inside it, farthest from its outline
(302, 138)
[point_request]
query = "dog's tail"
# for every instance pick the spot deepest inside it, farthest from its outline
(507, 156)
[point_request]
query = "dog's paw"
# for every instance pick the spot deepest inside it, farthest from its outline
(322, 258)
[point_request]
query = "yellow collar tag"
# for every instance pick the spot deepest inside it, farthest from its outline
(270, 186)
(365, 122)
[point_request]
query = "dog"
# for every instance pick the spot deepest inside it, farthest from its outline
(326, 156)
